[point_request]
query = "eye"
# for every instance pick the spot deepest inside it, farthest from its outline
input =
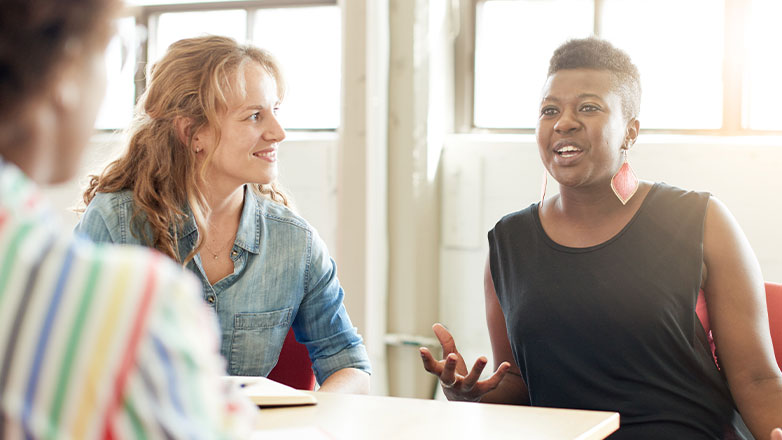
(589, 108)
(255, 116)
(276, 110)
(549, 111)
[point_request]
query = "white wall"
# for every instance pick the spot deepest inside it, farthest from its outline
(487, 176)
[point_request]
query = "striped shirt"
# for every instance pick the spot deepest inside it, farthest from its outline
(99, 341)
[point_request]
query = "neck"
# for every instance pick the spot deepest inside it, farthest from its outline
(589, 203)
(24, 141)
(224, 203)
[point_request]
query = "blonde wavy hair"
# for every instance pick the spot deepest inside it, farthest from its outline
(193, 80)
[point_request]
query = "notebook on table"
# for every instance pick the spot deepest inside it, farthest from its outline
(266, 392)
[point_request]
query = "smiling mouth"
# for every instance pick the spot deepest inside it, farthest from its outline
(567, 151)
(271, 154)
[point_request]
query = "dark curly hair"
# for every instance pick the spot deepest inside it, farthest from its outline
(598, 54)
(36, 36)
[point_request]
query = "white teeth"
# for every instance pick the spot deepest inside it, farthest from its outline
(267, 154)
(568, 149)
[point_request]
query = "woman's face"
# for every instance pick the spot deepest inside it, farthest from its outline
(250, 132)
(581, 129)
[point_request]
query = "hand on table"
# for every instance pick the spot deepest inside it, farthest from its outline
(457, 383)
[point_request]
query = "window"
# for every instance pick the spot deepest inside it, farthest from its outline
(311, 62)
(169, 27)
(706, 65)
(763, 92)
(680, 59)
(117, 108)
(312, 66)
(508, 73)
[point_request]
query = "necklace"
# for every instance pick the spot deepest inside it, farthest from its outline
(216, 255)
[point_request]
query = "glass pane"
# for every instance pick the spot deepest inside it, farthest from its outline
(761, 82)
(513, 45)
(121, 55)
(679, 54)
(311, 65)
(174, 26)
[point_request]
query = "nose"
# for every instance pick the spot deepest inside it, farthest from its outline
(566, 123)
(273, 132)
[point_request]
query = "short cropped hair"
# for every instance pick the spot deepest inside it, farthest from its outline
(599, 54)
(37, 36)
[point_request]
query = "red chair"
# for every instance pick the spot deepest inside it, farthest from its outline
(774, 304)
(294, 367)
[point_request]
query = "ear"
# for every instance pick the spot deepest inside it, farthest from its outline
(66, 96)
(633, 127)
(182, 126)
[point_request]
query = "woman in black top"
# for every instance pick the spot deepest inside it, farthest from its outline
(590, 294)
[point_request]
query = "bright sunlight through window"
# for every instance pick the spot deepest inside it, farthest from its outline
(691, 80)
(763, 92)
(680, 59)
(514, 41)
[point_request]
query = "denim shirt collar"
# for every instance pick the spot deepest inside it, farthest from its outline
(248, 237)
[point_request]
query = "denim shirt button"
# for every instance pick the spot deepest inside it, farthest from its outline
(210, 299)
(234, 252)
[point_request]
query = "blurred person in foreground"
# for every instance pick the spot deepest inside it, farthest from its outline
(96, 341)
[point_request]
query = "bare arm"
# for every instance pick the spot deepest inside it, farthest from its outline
(347, 380)
(458, 383)
(512, 389)
(739, 320)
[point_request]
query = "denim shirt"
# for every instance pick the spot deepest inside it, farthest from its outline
(283, 277)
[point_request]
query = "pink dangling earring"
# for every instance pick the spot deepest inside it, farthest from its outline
(543, 184)
(624, 183)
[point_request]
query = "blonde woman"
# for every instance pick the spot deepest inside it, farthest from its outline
(197, 182)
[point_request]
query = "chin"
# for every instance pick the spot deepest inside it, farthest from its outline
(58, 173)
(266, 179)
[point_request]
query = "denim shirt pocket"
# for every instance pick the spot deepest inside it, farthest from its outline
(256, 341)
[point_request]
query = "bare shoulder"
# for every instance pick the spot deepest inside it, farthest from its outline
(730, 262)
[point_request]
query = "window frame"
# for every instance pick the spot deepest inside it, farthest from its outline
(147, 14)
(732, 68)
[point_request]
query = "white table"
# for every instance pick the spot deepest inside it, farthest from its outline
(348, 417)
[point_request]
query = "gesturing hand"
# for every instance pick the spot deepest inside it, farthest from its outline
(457, 383)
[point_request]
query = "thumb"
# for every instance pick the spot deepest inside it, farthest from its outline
(776, 434)
(445, 338)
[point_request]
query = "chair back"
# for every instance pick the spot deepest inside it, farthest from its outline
(774, 304)
(294, 367)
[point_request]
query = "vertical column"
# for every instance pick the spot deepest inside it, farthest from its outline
(420, 112)
(362, 231)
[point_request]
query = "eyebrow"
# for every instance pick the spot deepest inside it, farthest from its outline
(581, 96)
(258, 107)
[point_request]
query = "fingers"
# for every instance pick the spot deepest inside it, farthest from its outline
(448, 374)
(776, 434)
(445, 370)
(445, 338)
(495, 379)
(430, 363)
(475, 374)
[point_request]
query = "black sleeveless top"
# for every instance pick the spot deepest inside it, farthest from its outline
(613, 326)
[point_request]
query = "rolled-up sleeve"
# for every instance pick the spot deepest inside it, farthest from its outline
(322, 323)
